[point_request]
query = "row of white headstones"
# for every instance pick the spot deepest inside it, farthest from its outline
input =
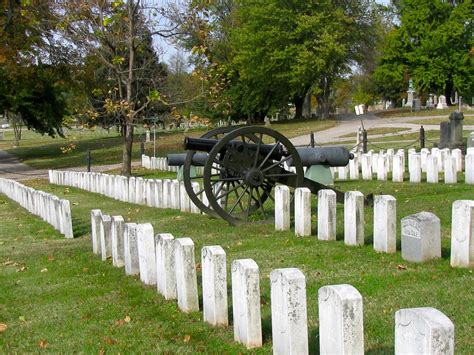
(420, 233)
(157, 193)
(430, 162)
(50, 208)
(157, 163)
(169, 264)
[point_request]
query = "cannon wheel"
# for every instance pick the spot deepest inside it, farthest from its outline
(216, 133)
(235, 194)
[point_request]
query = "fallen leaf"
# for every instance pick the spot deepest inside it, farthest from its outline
(43, 344)
(8, 262)
(119, 322)
(23, 268)
(187, 338)
(50, 258)
(101, 352)
(127, 319)
(401, 267)
(22, 318)
(3, 327)
(110, 341)
(75, 203)
(44, 270)
(198, 267)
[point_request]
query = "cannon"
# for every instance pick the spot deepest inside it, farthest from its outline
(241, 168)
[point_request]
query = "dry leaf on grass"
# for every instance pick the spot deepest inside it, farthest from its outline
(44, 270)
(50, 258)
(43, 344)
(22, 318)
(110, 341)
(187, 338)
(3, 327)
(127, 319)
(401, 267)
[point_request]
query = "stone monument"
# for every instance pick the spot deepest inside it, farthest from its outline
(410, 93)
(451, 132)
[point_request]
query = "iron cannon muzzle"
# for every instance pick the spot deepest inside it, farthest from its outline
(330, 156)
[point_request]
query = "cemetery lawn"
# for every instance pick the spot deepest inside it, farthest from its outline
(380, 130)
(44, 152)
(57, 295)
(406, 112)
(468, 121)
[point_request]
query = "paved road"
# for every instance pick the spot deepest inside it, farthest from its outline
(348, 124)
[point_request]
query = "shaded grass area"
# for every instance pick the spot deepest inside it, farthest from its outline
(467, 121)
(406, 112)
(80, 302)
(106, 147)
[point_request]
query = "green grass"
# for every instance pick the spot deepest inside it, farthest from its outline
(80, 303)
(436, 121)
(407, 113)
(380, 130)
(43, 152)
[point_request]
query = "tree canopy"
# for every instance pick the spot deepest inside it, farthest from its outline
(430, 43)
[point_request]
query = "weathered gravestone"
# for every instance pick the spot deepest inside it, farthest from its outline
(289, 315)
(341, 320)
(462, 234)
(214, 285)
(423, 331)
(421, 237)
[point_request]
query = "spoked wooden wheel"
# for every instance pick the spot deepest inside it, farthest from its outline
(240, 173)
(196, 193)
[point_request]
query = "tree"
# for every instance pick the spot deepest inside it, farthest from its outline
(261, 54)
(33, 73)
(119, 34)
(431, 43)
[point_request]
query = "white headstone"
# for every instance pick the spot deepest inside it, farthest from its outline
(342, 172)
(95, 231)
(382, 167)
(282, 207)
(186, 281)
(146, 253)
(302, 212)
(457, 154)
(366, 162)
(116, 230)
(353, 169)
(246, 303)
(450, 171)
(326, 215)
(354, 218)
(105, 241)
(130, 249)
(469, 169)
(397, 172)
(432, 169)
(421, 237)
(165, 266)
(462, 234)
(214, 285)
(423, 331)
(415, 168)
(289, 313)
(341, 322)
(385, 224)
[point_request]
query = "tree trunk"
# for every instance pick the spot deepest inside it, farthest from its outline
(298, 102)
(127, 150)
(449, 89)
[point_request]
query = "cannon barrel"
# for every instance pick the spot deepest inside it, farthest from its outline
(331, 156)
(199, 159)
(206, 145)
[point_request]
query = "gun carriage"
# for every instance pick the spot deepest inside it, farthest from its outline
(241, 167)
